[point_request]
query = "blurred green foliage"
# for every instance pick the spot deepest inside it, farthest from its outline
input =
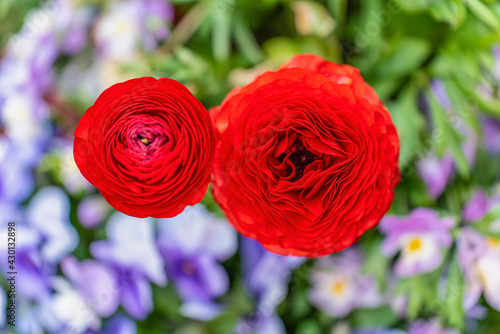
(400, 46)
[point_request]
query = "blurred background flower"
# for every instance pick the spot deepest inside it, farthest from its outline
(432, 265)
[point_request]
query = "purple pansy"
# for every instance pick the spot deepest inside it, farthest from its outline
(120, 324)
(29, 317)
(42, 245)
(479, 258)
(130, 250)
(67, 311)
(421, 236)
(338, 286)
(266, 276)
(51, 204)
(34, 272)
(193, 244)
(95, 282)
(479, 255)
(261, 324)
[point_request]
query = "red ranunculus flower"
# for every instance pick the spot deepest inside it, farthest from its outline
(148, 146)
(307, 158)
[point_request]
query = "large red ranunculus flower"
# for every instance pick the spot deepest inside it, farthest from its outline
(306, 158)
(148, 146)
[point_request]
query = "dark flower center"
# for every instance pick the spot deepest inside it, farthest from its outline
(300, 158)
(188, 268)
(146, 141)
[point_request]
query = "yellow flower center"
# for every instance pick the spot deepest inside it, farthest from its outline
(493, 242)
(338, 287)
(414, 245)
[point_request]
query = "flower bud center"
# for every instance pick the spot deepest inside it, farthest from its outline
(300, 157)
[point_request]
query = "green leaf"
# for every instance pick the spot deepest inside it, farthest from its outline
(484, 225)
(182, 2)
(375, 264)
(452, 310)
(421, 291)
(246, 42)
(412, 6)
(5, 6)
(462, 105)
(211, 204)
(338, 8)
(415, 289)
(449, 11)
(446, 137)
(409, 122)
(224, 323)
(482, 12)
(406, 57)
(299, 304)
(221, 29)
(308, 326)
(378, 317)
(489, 106)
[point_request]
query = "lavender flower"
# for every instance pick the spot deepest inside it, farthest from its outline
(491, 134)
(129, 23)
(16, 180)
(421, 237)
(380, 331)
(429, 327)
(3, 306)
(192, 245)
(436, 172)
(338, 287)
(92, 210)
(71, 23)
(478, 206)
(496, 55)
(130, 243)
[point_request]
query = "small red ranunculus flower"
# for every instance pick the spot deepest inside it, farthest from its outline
(148, 146)
(306, 159)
